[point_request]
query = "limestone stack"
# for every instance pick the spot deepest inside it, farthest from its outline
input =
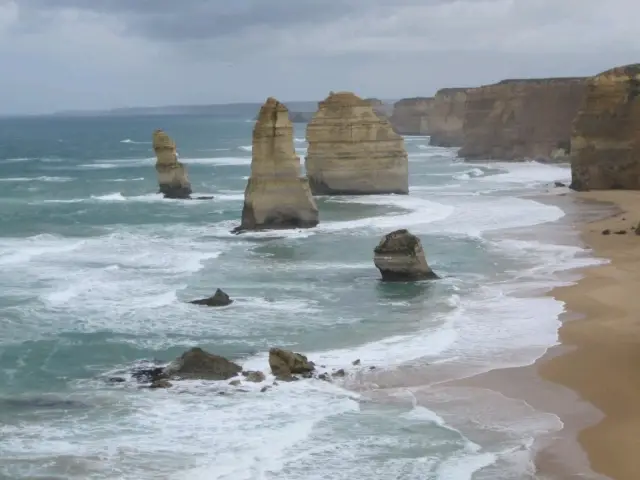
(172, 174)
(446, 117)
(352, 151)
(399, 257)
(521, 119)
(605, 145)
(276, 196)
(411, 116)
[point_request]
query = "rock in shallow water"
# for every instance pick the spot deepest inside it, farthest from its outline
(399, 257)
(284, 363)
(201, 365)
(218, 299)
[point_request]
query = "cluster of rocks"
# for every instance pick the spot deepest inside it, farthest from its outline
(197, 364)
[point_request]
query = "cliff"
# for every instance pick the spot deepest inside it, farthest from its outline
(382, 109)
(411, 116)
(353, 151)
(276, 196)
(446, 117)
(520, 119)
(605, 145)
(172, 174)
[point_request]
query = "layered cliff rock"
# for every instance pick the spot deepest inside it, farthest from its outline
(411, 116)
(399, 257)
(446, 117)
(521, 119)
(276, 196)
(353, 151)
(605, 145)
(382, 109)
(172, 174)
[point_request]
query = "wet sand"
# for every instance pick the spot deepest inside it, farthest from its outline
(601, 358)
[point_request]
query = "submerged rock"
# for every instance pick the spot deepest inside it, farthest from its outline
(276, 197)
(254, 376)
(218, 299)
(201, 365)
(284, 363)
(399, 257)
(172, 174)
(162, 383)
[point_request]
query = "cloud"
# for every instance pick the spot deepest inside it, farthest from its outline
(99, 53)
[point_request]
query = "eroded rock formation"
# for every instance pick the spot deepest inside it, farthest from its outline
(605, 145)
(352, 151)
(399, 257)
(411, 116)
(284, 363)
(201, 365)
(446, 117)
(218, 299)
(172, 174)
(276, 196)
(521, 119)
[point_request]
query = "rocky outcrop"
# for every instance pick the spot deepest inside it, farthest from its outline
(200, 365)
(446, 117)
(172, 174)
(382, 109)
(605, 145)
(285, 363)
(276, 196)
(521, 119)
(218, 299)
(352, 151)
(411, 116)
(300, 117)
(399, 257)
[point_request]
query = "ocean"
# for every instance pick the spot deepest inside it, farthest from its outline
(96, 269)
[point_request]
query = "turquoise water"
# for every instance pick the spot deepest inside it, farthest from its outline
(95, 269)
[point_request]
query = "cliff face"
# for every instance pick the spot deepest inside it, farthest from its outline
(411, 116)
(446, 117)
(276, 197)
(172, 174)
(352, 151)
(605, 145)
(382, 109)
(519, 119)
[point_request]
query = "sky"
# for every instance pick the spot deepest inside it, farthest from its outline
(98, 54)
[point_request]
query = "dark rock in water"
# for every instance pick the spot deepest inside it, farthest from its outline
(286, 362)
(606, 232)
(325, 377)
(200, 365)
(620, 232)
(235, 383)
(116, 380)
(265, 388)
(372, 368)
(286, 378)
(339, 373)
(175, 193)
(559, 184)
(202, 198)
(254, 376)
(149, 374)
(356, 362)
(160, 384)
(219, 299)
(400, 258)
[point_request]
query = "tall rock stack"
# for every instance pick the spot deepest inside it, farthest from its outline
(276, 196)
(521, 119)
(605, 145)
(172, 174)
(352, 151)
(446, 118)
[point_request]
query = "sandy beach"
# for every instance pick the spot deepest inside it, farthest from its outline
(600, 349)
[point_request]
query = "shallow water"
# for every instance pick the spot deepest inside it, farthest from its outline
(95, 268)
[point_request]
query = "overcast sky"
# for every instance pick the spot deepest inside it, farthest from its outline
(92, 54)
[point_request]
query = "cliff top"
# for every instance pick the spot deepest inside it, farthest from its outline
(412, 100)
(162, 140)
(623, 71)
(344, 99)
(540, 81)
(270, 109)
(451, 90)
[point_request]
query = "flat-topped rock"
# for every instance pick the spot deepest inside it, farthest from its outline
(605, 145)
(172, 174)
(276, 197)
(400, 258)
(353, 151)
(411, 116)
(446, 117)
(521, 119)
